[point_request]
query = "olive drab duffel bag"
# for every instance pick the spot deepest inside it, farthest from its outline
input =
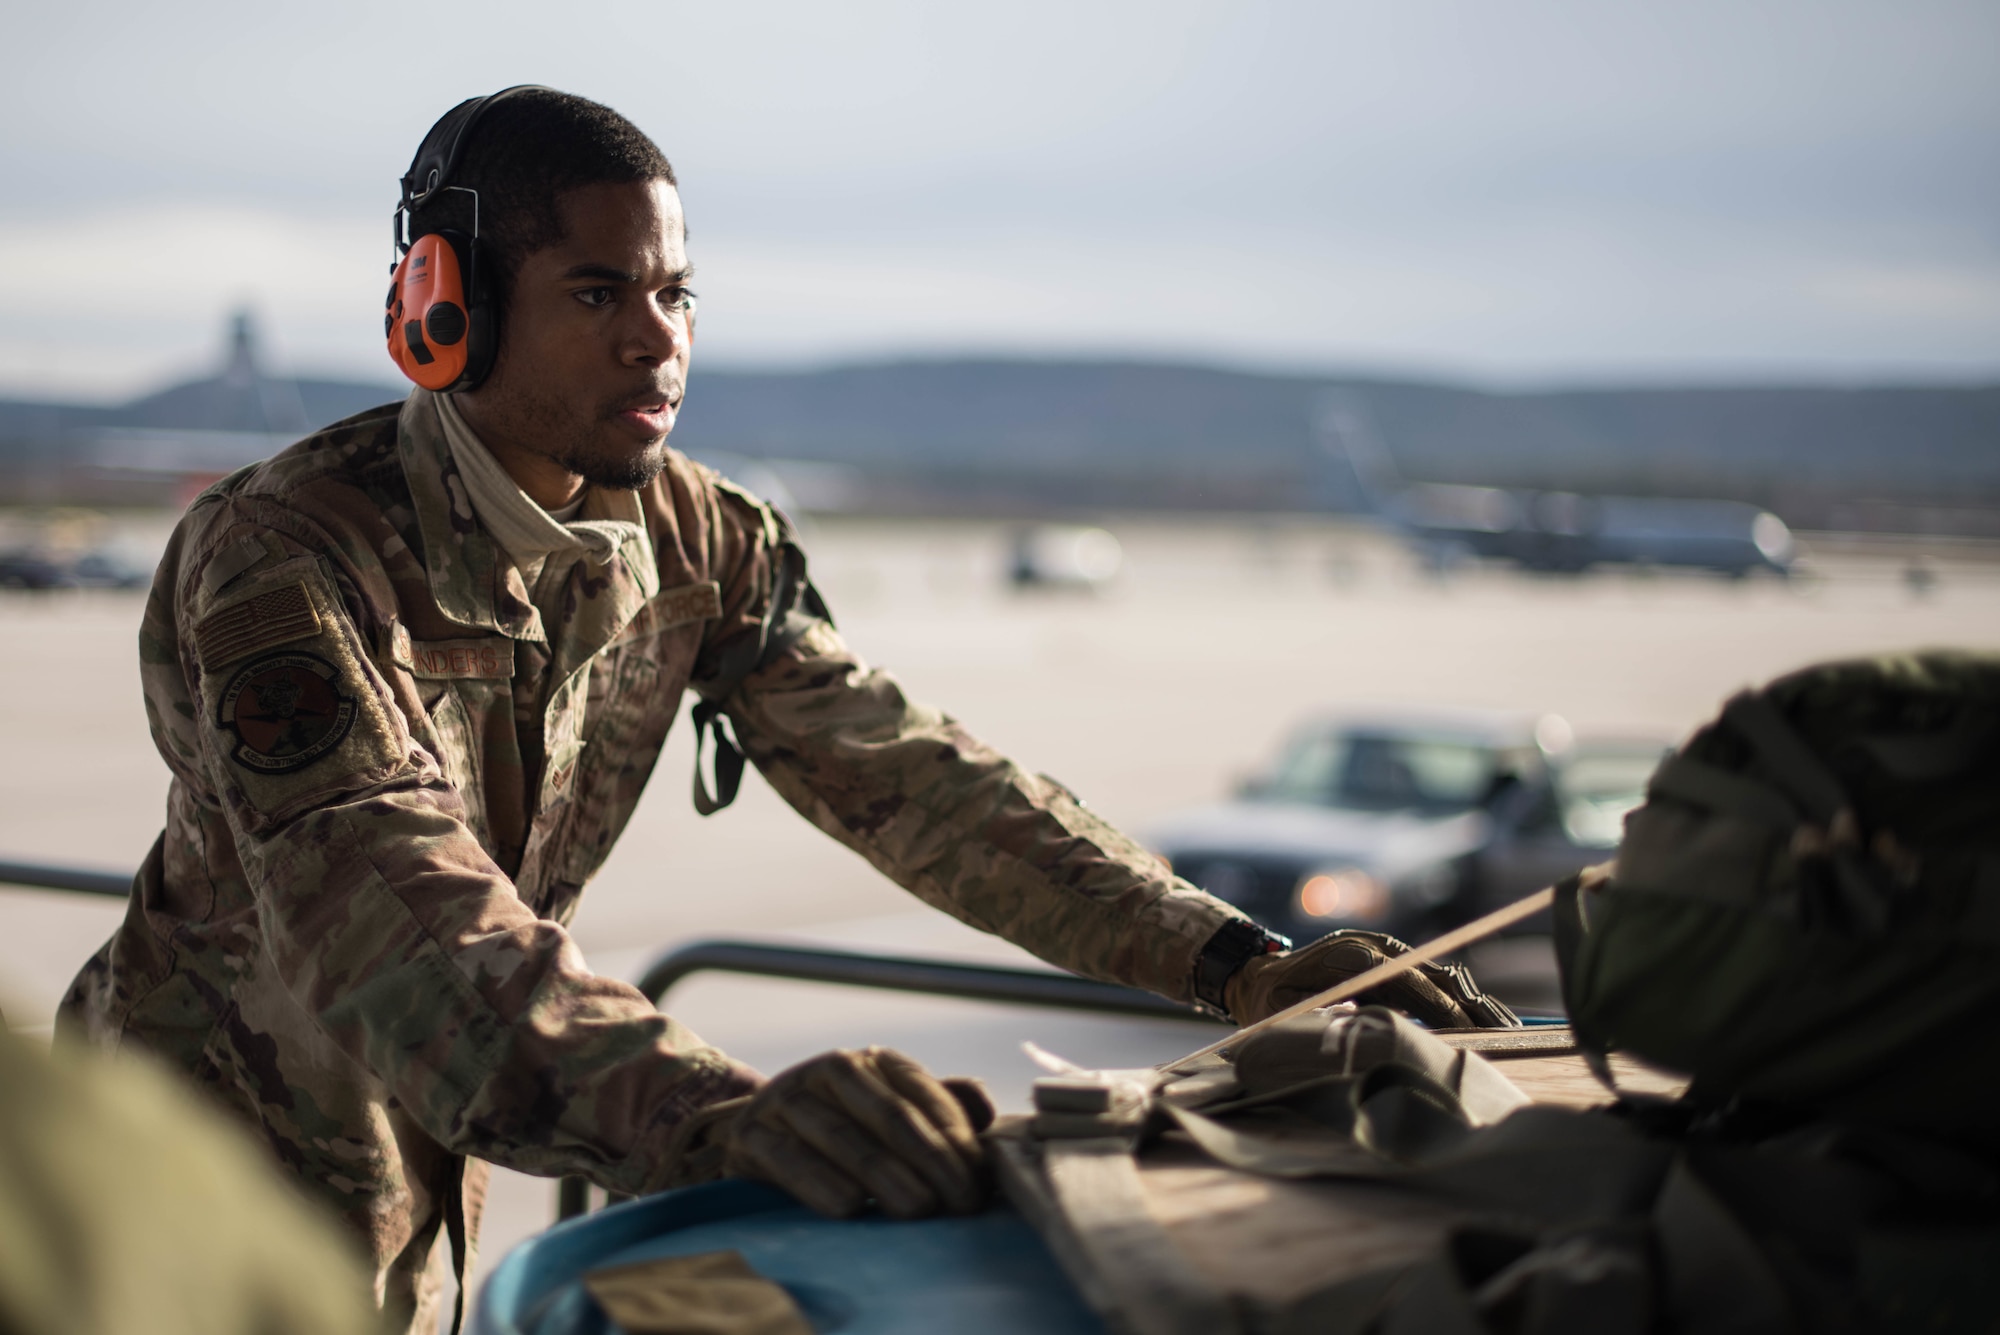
(1805, 912)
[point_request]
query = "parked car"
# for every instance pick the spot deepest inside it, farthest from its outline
(106, 569)
(1412, 823)
(30, 568)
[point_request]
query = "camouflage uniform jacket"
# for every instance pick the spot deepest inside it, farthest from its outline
(392, 777)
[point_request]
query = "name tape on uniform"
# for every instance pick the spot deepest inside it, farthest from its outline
(490, 658)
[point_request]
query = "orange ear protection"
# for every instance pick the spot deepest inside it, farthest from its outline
(429, 320)
(439, 317)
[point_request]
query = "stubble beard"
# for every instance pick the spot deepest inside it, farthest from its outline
(575, 443)
(614, 473)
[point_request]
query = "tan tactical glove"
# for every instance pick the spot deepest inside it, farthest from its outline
(848, 1127)
(1442, 996)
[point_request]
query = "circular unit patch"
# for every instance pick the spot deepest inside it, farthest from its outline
(286, 712)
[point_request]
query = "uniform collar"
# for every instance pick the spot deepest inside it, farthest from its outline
(523, 529)
(471, 578)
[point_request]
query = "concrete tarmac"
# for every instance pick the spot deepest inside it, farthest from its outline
(1154, 694)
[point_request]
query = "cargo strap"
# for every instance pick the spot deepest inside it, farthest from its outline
(1860, 883)
(1390, 1093)
(1711, 788)
(1781, 749)
(1667, 1256)
(1592, 1223)
(1806, 792)
(1149, 1282)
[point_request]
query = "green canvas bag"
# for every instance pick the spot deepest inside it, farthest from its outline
(1805, 911)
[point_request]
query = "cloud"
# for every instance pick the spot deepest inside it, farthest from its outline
(1943, 297)
(1535, 190)
(1588, 299)
(112, 302)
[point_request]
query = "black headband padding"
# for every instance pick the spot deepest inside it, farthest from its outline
(438, 156)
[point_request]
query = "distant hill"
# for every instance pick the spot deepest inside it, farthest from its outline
(1049, 437)
(240, 398)
(1015, 433)
(159, 449)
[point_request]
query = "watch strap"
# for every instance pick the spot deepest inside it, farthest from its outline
(1235, 943)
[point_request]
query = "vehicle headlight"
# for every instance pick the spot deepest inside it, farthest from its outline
(1344, 892)
(1773, 538)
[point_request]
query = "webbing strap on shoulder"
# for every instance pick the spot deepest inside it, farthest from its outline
(794, 608)
(460, 1237)
(708, 726)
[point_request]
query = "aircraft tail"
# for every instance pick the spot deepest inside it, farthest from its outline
(1362, 475)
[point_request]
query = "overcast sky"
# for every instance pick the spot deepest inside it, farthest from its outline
(1517, 192)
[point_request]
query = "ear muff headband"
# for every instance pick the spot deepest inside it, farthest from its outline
(439, 318)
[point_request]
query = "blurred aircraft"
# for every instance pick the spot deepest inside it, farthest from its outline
(1557, 531)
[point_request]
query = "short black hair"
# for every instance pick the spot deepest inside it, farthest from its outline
(526, 152)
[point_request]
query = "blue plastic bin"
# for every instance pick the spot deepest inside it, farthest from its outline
(979, 1275)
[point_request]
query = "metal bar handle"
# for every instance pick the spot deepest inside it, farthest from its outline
(896, 973)
(903, 973)
(66, 878)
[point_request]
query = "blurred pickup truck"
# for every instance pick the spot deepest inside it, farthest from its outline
(1411, 823)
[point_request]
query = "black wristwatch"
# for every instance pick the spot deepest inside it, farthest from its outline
(1234, 943)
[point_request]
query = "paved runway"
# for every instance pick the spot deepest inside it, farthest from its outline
(1216, 637)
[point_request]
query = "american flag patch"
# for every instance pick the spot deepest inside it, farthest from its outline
(276, 616)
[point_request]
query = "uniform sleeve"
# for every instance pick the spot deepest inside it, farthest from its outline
(941, 813)
(386, 921)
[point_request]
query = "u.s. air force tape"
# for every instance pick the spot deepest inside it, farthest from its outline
(286, 710)
(671, 609)
(690, 602)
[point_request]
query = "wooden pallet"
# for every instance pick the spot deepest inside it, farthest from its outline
(1544, 1062)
